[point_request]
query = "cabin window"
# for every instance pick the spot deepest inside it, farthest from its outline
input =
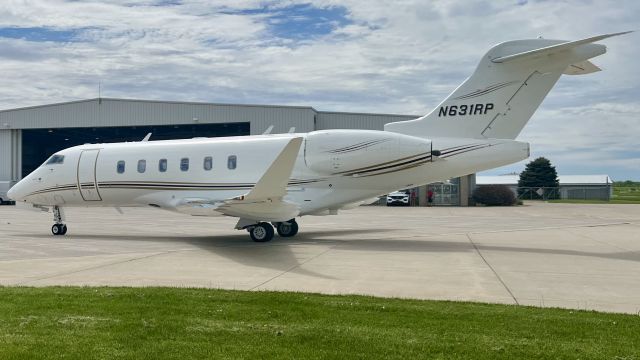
(120, 166)
(208, 163)
(232, 162)
(184, 164)
(142, 166)
(55, 159)
(162, 165)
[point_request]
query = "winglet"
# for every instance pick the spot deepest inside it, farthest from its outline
(273, 183)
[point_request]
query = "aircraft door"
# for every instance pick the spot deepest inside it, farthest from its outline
(87, 175)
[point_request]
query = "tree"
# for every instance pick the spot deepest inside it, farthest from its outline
(539, 173)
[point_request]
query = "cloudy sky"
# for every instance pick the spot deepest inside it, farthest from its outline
(400, 57)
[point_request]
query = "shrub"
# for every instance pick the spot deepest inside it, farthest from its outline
(494, 195)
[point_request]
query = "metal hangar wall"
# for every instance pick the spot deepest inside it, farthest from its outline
(29, 135)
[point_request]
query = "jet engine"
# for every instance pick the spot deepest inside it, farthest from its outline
(349, 151)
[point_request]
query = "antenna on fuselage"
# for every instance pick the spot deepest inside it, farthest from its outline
(146, 138)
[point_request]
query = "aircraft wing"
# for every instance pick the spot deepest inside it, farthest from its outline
(264, 202)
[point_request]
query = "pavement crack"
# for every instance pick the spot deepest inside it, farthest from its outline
(94, 267)
(492, 269)
(297, 265)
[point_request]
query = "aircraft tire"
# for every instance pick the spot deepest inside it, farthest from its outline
(262, 232)
(287, 229)
(59, 229)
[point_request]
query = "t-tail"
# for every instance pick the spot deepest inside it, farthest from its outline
(506, 88)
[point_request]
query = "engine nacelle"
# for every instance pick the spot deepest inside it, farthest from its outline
(343, 151)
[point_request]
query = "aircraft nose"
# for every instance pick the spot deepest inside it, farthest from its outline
(14, 193)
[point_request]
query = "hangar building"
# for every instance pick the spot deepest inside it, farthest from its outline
(29, 135)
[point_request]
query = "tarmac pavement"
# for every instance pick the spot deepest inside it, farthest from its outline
(554, 255)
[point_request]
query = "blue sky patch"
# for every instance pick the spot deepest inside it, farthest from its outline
(40, 34)
(300, 22)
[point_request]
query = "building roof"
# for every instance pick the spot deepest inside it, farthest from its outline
(175, 102)
(110, 112)
(564, 180)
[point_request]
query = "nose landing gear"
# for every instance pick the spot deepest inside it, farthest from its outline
(59, 228)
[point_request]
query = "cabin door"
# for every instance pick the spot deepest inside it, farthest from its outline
(87, 175)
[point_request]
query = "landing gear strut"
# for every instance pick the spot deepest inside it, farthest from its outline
(59, 228)
(288, 228)
(261, 232)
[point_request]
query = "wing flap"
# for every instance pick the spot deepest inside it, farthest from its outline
(267, 210)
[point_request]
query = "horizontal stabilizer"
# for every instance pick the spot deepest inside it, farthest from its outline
(581, 68)
(549, 50)
(506, 88)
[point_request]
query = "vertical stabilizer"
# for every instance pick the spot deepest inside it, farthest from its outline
(509, 84)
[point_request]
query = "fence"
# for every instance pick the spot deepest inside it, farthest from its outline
(537, 193)
(596, 192)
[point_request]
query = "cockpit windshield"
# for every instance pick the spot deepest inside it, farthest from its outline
(55, 159)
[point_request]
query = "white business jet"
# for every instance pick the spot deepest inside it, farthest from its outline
(268, 180)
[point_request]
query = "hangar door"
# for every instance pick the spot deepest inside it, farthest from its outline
(87, 175)
(39, 144)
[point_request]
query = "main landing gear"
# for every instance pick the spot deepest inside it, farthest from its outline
(59, 228)
(288, 228)
(263, 231)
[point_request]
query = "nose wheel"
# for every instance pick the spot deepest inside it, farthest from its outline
(59, 228)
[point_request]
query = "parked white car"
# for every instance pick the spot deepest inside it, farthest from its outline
(398, 198)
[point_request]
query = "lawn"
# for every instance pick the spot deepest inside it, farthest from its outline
(626, 192)
(137, 323)
(580, 201)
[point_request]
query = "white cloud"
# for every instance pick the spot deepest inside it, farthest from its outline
(400, 57)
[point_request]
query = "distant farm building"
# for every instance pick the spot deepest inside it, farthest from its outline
(576, 187)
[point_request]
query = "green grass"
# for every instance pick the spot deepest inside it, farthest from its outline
(626, 193)
(138, 323)
(580, 201)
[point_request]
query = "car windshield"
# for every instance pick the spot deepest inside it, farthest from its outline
(55, 159)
